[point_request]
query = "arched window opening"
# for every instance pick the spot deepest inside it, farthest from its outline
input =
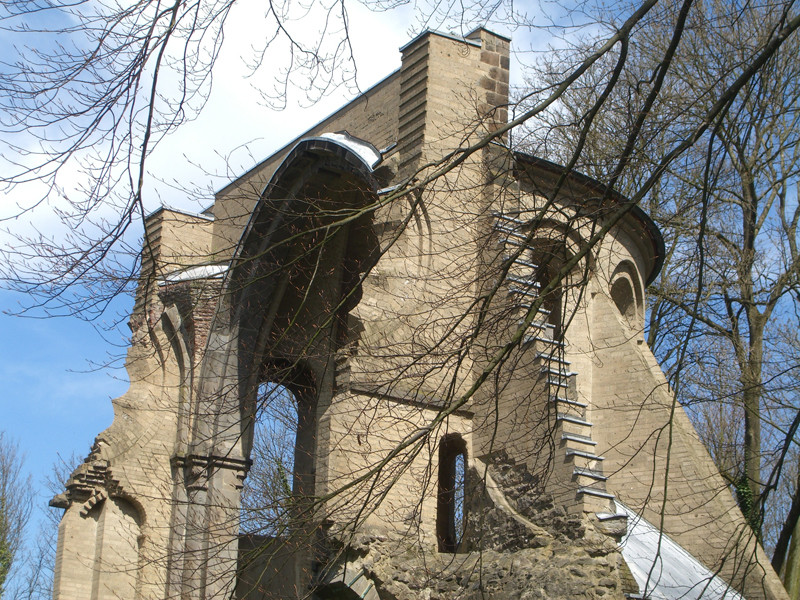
(551, 302)
(622, 295)
(549, 255)
(626, 292)
(74, 569)
(268, 487)
(451, 511)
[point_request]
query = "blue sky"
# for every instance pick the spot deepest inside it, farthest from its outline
(55, 398)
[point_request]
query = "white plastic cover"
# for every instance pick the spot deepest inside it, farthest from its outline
(364, 150)
(199, 272)
(667, 572)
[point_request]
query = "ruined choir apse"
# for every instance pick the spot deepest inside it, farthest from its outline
(444, 360)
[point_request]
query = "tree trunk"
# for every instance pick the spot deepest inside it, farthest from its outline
(751, 398)
(791, 577)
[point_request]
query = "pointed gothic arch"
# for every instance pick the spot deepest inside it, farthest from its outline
(283, 315)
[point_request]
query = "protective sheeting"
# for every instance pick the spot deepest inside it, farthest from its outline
(663, 569)
(363, 149)
(198, 272)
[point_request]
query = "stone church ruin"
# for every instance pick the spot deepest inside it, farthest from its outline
(476, 413)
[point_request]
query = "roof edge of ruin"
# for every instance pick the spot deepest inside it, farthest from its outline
(306, 134)
(650, 227)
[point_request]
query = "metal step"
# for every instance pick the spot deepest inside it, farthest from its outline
(583, 454)
(509, 218)
(543, 327)
(575, 403)
(540, 324)
(522, 281)
(540, 311)
(513, 243)
(569, 409)
(531, 339)
(557, 371)
(591, 473)
(578, 438)
(522, 262)
(574, 420)
(523, 292)
(550, 357)
(593, 492)
(557, 383)
(510, 232)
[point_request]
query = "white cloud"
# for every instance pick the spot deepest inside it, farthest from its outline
(236, 129)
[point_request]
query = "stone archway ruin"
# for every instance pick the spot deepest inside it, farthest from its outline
(408, 321)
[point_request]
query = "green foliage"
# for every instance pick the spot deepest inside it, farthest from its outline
(283, 478)
(748, 505)
(15, 506)
(6, 555)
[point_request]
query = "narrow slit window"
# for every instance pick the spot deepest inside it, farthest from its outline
(451, 511)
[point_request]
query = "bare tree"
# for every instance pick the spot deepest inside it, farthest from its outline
(267, 493)
(729, 211)
(15, 506)
(36, 556)
(114, 81)
(116, 99)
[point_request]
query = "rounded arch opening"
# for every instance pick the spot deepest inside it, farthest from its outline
(549, 252)
(626, 292)
(622, 295)
(552, 301)
(295, 276)
(116, 569)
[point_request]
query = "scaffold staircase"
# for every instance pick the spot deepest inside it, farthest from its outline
(577, 476)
